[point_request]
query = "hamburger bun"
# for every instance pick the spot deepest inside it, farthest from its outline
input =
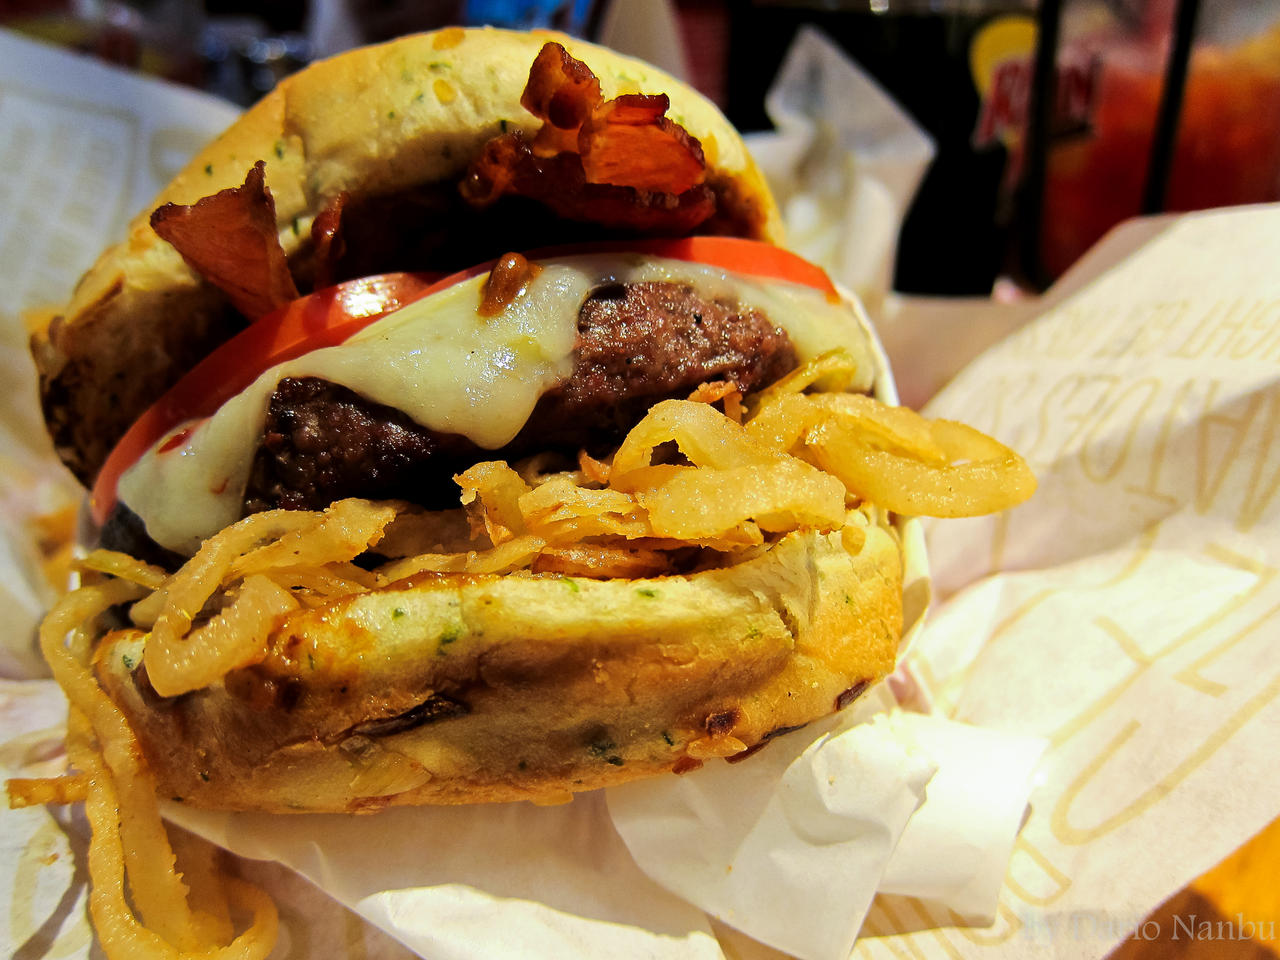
(408, 115)
(468, 689)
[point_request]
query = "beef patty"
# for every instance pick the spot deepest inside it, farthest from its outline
(637, 344)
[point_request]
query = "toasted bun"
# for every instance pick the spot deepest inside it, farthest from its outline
(374, 121)
(458, 689)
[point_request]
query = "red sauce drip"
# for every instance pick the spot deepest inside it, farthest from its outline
(177, 440)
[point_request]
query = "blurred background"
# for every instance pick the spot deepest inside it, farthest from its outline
(1051, 121)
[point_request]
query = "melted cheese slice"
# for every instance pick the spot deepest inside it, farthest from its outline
(451, 370)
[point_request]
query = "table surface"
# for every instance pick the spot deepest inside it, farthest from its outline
(1241, 895)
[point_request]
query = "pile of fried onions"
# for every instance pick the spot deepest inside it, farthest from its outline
(690, 487)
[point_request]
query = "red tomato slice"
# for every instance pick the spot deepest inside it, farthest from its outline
(750, 258)
(324, 318)
(328, 317)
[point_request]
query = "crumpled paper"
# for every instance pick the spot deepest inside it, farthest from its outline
(844, 163)
(580, 880)
(702, 837)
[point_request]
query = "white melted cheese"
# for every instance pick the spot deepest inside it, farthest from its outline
(451, 370)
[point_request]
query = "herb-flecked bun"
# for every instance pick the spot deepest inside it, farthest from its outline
(376, 122)
(498, 688)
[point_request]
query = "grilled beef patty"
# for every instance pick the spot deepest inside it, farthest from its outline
(637, 344)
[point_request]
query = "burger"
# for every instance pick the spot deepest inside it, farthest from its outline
(458, 431)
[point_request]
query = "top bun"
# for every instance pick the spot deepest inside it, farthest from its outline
(375, 121)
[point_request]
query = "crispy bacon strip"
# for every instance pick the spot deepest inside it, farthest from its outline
(563, 92)
(507, 166)
(327, 240)
(622, 163)
(230, 239)
(630, 142)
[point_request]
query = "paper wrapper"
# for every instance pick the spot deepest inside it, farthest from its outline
(844, 163)
(787, 850)
(1128, 612)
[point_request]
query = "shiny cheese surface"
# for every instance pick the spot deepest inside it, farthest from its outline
(451, 370)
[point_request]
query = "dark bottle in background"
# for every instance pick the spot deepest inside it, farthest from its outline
(954, 238)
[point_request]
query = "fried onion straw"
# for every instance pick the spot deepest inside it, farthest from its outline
(129, 841)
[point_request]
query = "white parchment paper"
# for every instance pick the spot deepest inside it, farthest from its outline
(1128, 612)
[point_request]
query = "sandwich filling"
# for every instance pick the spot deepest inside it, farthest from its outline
(574, 360)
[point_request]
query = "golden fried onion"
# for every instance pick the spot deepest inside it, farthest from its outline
(686, 478)
(129, 844)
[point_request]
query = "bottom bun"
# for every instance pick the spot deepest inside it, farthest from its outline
(451, 688)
